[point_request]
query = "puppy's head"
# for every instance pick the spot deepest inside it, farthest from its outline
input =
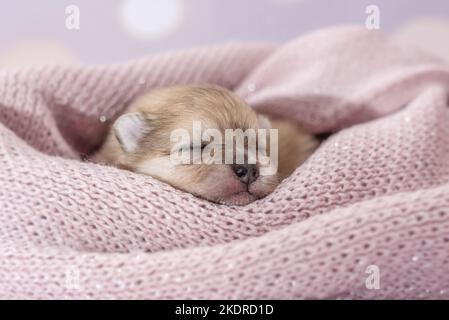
(144, 137)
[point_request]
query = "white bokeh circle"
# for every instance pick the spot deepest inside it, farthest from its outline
(147, 19)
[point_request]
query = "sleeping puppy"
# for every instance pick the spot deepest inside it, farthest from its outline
(141, 140)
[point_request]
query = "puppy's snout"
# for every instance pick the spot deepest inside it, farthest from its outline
(247, 173)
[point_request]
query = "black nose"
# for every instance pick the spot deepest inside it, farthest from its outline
(247, 173)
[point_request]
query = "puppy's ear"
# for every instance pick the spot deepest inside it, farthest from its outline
(264, 122)
(129, 129)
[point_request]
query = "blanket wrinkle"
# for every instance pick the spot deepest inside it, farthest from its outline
(376, 193)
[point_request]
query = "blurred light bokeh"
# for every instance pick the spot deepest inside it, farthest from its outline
(34, 32)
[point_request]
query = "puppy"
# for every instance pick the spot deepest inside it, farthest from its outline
(141, 141)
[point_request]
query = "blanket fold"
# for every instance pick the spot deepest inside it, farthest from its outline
(374, 196)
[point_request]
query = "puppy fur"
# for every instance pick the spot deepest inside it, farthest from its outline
(151, 118)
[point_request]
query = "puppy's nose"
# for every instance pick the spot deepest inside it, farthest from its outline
(247, 173)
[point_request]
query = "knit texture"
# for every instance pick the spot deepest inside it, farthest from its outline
(376, 193)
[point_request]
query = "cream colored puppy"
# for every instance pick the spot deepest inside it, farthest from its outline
(140, 141)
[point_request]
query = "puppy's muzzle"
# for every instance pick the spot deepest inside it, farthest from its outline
(246, 173)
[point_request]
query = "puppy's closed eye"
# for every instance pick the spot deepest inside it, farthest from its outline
(202, 146)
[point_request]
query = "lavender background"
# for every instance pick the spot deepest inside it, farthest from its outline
(34, 31)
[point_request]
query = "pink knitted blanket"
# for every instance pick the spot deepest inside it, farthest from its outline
(367, 216)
